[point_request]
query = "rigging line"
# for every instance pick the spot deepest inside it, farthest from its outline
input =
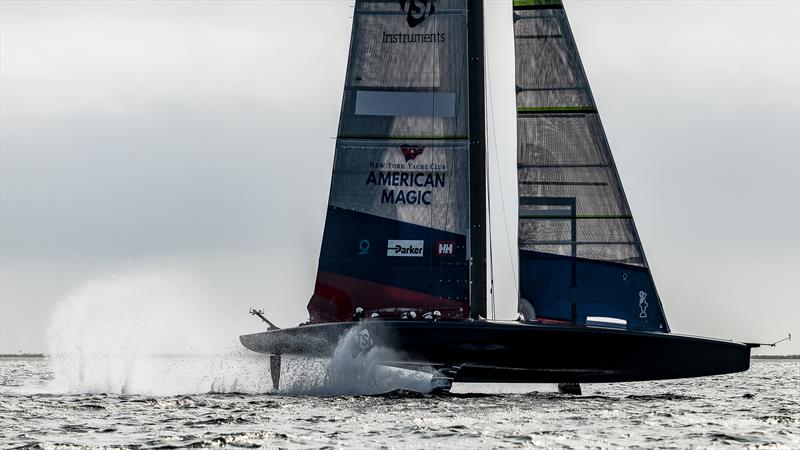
(497, 167)
(489, 217)
(491, 251)
(491, 248)
(489, 201)
(431, 278)
(489, 212)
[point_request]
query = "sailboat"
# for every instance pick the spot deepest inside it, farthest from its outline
(403, 262)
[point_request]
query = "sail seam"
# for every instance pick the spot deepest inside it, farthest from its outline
(564, 183)
(560, 166)
(539, 36)
(402, 138)
(583, 217)
(578, 243)
(556, 109)
(553, 88)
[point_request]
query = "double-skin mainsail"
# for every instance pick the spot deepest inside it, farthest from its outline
(406, 211)
(398, 232)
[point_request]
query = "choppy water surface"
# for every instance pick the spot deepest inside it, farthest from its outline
(760, 408)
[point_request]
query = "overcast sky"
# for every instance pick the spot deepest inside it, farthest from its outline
(141, 138)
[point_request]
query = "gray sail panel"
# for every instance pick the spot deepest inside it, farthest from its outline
(580, 254)
(423, 184)
(405, 89)
(562, 150)
(412, 74)
(546, 69)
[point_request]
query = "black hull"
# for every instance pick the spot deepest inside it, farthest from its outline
(510, 352)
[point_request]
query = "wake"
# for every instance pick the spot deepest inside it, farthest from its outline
(153, 332)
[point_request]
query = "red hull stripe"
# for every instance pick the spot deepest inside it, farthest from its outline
(337, 296)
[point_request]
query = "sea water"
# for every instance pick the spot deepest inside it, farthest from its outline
(128, 368)
(208, 401)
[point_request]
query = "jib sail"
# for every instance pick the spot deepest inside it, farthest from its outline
(580, 255)
(397, 220)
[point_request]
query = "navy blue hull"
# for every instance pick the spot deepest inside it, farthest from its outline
(481, 351)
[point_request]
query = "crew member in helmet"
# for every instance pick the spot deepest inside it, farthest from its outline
(359, 314)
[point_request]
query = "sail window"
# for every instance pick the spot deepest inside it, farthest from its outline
(394, 103)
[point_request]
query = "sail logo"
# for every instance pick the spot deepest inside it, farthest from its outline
(643, 305)
(421, 183)
(363, 247)
(401, 247)
(410, 152)
(417, 10)
(445, 248)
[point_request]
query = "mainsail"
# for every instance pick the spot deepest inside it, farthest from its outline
(395, 236)
(580, 256)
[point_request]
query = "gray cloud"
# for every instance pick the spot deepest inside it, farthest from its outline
(199, 134)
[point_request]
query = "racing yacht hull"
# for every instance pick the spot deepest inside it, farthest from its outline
(517, 352)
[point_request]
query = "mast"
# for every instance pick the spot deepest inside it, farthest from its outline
(477, 160)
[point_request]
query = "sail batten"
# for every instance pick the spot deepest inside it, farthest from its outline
(580, 254)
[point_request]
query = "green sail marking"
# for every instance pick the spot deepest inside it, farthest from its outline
(523, 4)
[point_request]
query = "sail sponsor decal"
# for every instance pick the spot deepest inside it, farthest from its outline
(444, 248)
(416, 13)
(414, 38)
(407, 181)
(411, 151)
(397, 178)
(363, 247)
(417, 10)
(421, 184)
(643, 305)
(404, 247)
